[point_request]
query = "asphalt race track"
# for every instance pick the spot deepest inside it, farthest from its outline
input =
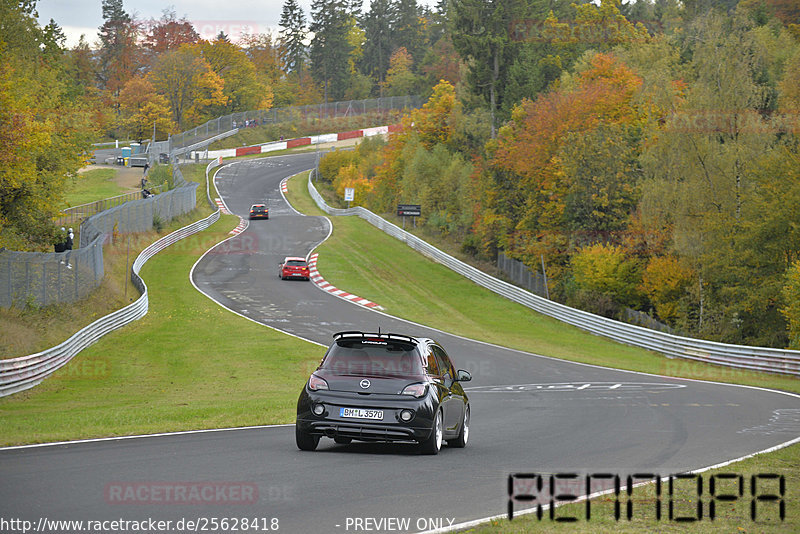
(529, 414)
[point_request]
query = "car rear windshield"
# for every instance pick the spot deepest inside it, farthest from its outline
(373, 358)
(296, 263)
(258, 208)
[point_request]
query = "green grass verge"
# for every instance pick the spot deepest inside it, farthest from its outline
(93, 185)
(433, 295)
(299, 197)
(187, 364)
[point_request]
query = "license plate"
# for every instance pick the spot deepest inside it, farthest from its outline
(358, 413)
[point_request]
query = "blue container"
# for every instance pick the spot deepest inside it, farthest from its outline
(126, 151)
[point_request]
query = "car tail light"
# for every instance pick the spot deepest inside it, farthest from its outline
(316, 383)
(416, 390)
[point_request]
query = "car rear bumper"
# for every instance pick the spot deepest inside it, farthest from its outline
(364, 431)
(299, 276)
(390, 428)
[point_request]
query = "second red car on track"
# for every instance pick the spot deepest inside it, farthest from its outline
(294, 267)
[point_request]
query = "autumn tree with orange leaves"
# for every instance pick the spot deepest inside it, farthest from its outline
(566, 163)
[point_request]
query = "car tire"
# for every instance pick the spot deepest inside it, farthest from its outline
(463, 436)
(433, 444)
(341, 440)
(304, 440)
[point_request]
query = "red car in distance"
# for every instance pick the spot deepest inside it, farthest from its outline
(294, 267)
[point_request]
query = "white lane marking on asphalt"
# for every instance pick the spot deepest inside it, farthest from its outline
(161, 434)
(782, 421)
(579, 386)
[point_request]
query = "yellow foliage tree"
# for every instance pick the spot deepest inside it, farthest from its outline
(606, 269)
(791, 307)
(400, 80)
(351, 176)
(435, 122)
(243, 88)
(144, 111)
(664, 281)
(188, 83)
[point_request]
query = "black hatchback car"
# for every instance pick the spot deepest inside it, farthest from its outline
(259, 211)
(384, 387)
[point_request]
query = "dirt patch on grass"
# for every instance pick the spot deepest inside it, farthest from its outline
(343, 143)
(129, 178)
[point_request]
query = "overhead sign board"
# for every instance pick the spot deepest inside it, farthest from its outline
(409, 210)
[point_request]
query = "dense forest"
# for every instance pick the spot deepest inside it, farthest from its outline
(645, 152)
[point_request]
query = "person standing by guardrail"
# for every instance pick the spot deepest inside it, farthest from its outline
(68, 247)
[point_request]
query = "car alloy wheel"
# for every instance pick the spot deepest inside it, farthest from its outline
(433, 444)
(463, 435)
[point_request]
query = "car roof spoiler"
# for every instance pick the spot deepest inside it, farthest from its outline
(372, 335)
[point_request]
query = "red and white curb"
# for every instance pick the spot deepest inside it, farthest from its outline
(240, 228)
(297, 142)
(221, 206)
(285, 185)
(325, 286)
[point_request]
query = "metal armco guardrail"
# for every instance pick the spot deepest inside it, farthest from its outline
(672, 346)
(19, 374)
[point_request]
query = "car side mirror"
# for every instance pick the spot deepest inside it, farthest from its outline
(463, 376)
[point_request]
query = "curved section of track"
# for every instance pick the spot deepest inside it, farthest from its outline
(529, 413)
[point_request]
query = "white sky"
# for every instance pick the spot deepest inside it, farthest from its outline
(234, 17)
